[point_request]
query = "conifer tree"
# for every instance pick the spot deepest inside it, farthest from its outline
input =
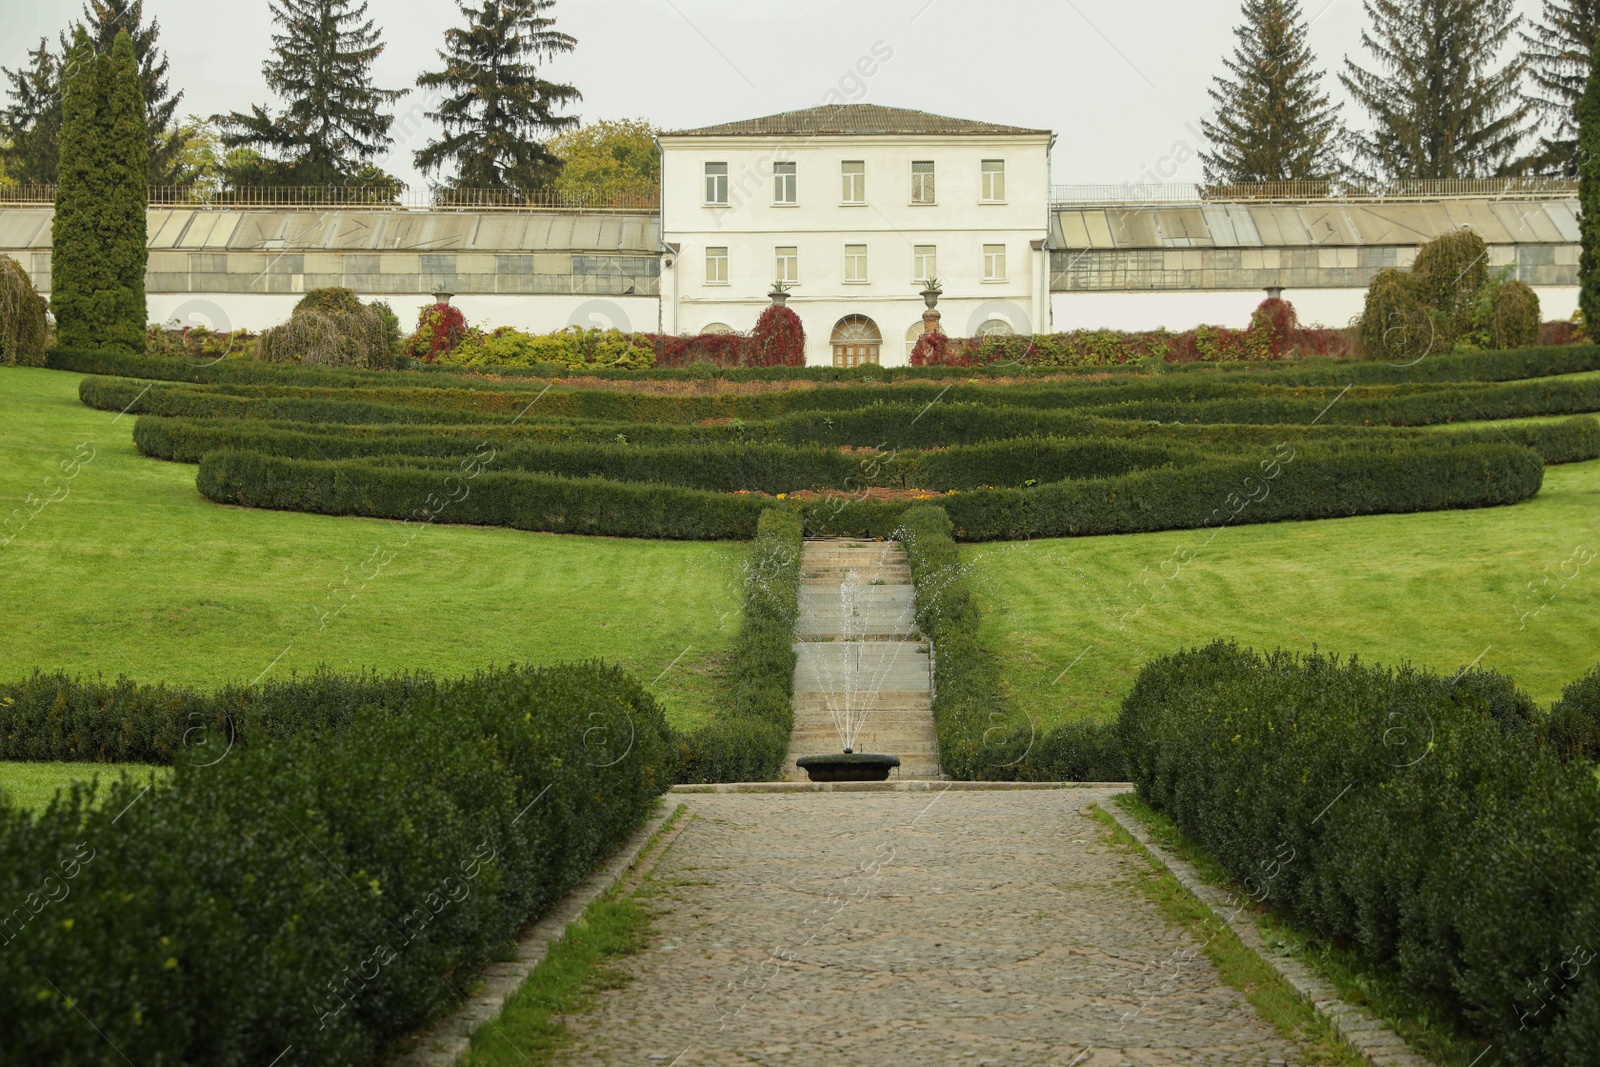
(1440, 105)
(97, 265)
(30, 124)
(495, 108)
(1588, 161)
(1558, 54)
(332, 126)
(1274, 123)
(105, 19)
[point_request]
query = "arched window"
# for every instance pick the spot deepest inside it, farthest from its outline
(717, 327)
(913, 335)
(996, 328)
(856, 340)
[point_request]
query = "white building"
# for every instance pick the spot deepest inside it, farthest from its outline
(855, 207)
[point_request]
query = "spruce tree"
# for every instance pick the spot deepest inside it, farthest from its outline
(30, 124)
(1588, 159)
(1440, 105)
(1558, 54)
(1274, 123)
(98, 258)
(495, 109)
(104, 20)
(332, 126)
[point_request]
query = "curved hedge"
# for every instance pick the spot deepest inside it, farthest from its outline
(1401, 812)
(748, 741)
(1313, 482)
(306, 902)
(1455, 366)
(473, 494)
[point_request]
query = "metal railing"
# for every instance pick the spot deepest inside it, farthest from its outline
(294, 198)
(1441, 189)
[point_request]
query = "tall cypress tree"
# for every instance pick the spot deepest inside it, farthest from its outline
(1274, 123)
(1588, 158)
(1558, 54)
(104, 20)
(495, 109)
(30, 124)
(333, 125)
(97, 265)
(1440, 105)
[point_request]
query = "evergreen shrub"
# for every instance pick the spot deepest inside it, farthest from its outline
(1409, 815)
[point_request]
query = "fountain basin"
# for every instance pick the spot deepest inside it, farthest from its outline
(848, 767)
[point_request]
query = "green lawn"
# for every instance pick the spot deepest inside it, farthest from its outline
(31, 785)
(132, 572)
(1073, 620)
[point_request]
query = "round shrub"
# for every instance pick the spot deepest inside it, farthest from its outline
(23, 329)
(1396, 323)
(1574, 727)
(330, 331)
(1449, 272)
(1513, 316)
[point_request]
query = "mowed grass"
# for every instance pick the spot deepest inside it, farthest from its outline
(32, 785)
(131, 571)
(1516, 589)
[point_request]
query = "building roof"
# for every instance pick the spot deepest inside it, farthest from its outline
(853, 120)
(1311, 225)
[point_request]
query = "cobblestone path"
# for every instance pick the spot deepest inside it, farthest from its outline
(913, 928)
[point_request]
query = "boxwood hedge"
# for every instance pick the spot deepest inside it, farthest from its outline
(982, 736)
(1413, 816)
(306, 901)
(748, 741)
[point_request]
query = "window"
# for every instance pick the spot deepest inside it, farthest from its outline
(855, 263)
(924, 263)
(716, 266)
(994, 181)
(996, 328)
(721, 329)
(854, 175)
(717, 184)
(784, 189)
(922, 183)
(787, 264)
(994, 263)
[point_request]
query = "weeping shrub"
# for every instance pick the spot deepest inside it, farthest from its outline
(1450, 271)
(1513, 316)
(1396, 324)
(330, 328)
(23, 329)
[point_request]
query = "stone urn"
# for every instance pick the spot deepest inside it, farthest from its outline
(780, 297)
(848, 766)
(931, 297)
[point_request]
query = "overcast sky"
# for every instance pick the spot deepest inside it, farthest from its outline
(1122, 84)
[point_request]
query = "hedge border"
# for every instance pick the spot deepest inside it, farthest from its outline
(748, 742)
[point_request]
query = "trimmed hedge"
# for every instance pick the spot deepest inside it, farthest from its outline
(472, 494)
(63, 718)
(1410, 815)
(306, 902)
(982, 737)
(1313, 481)
(1574, 727)
(748, 742)
(1455, 366)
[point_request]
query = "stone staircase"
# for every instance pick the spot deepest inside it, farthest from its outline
(864, 670)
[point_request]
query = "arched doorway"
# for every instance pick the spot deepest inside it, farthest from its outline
(856, 340)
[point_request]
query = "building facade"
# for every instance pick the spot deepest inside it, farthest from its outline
(854, 208)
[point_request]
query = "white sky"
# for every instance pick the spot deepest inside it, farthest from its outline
(1123, 84)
